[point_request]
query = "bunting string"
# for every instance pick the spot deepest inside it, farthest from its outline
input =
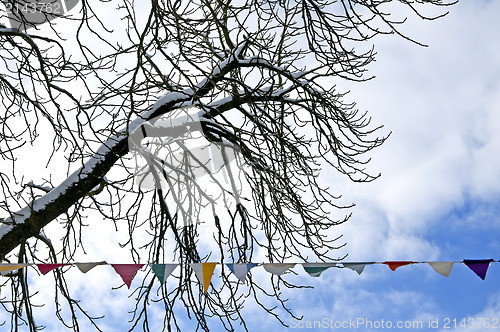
(205, 271)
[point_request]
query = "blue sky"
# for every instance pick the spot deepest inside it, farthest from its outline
(438, 197)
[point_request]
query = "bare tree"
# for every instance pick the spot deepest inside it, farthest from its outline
(93, 91)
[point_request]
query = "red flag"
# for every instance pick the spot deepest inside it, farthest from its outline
(45, 268)
(127, 272)
(393, 265)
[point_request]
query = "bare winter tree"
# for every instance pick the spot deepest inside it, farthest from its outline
(90, 100)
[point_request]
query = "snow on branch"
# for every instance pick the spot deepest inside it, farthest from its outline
(29, 220)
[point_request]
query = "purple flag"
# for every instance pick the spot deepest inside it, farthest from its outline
(478, 266)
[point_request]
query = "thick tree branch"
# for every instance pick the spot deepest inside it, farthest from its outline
(28, 221)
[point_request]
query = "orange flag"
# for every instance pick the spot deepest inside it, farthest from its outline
(393, 265)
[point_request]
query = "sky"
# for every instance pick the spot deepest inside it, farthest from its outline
(439, 193)
(437, 199)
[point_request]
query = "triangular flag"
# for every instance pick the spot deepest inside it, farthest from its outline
(278, 268)
(240, 270)
(86, 267)
(315, 269)
(162, 271)
(127, 272)
(478, 266)
(443, 268)
(204, 272)
(358, 266)
(6, 268)
(393, 265)
(45, 268)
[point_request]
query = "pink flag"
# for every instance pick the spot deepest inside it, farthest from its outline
(45, 268)
(127, 272)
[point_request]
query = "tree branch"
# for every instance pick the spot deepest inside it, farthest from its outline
(28, 221)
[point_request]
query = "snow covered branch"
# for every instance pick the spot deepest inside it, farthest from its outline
(28, 221)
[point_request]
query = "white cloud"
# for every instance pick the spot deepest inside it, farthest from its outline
(440, 103)
(485, 321)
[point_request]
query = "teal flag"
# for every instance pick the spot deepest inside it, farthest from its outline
(315, 269)
(163, 271)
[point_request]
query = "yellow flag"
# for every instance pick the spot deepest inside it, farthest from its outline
(204, 272)
(6, 268)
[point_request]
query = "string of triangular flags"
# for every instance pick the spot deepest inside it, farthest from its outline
(204, 271)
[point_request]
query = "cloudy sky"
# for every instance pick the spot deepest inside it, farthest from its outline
(437, 198)
(438, 195)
